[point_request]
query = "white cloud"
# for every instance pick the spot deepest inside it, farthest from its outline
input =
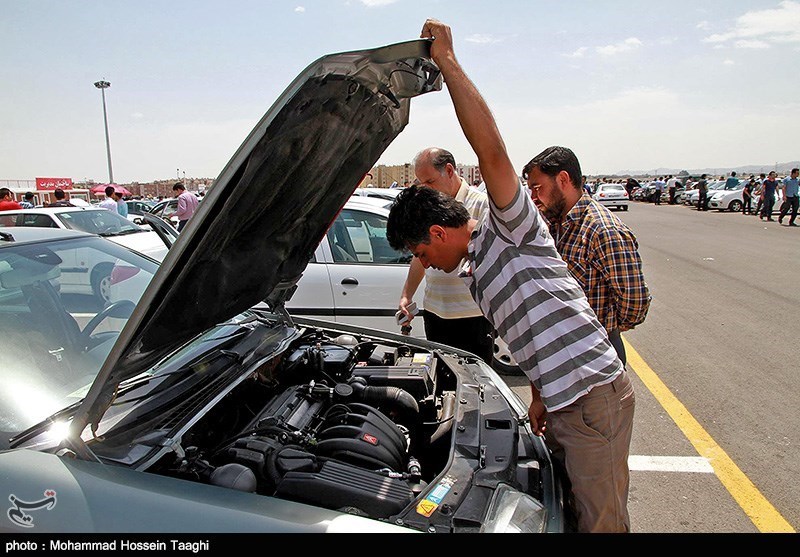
(479, 38)
(729, 62)
(375, 3)
(756, 44)
(299, 9)
(578, 53)
(703, 25)
(777, 25)
(625, 46)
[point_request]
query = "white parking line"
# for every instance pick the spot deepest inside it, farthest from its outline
(695, 464)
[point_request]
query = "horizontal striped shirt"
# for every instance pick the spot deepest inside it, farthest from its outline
(538, 308)
(445, 293)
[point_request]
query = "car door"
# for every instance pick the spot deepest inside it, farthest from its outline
(365, 274)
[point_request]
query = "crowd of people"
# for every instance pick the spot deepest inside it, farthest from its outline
(114, 201)
(763, 192)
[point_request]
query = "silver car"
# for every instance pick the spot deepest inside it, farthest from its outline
(195, 401)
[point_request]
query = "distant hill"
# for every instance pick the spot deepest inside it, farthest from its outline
(780, 168)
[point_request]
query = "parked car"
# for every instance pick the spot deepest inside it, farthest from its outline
(382, 193)
(728, 199)
(612, 195)
(136, 207)
(89, 219)
(691, 197)
(212, 409)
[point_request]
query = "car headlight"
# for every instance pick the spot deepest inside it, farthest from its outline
(512, 511)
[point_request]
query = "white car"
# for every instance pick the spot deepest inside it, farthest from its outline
(612, 195)
(727, 199)
(93, 220)
(692, 197)
(383, 193)
(87, 275)
(356, 277)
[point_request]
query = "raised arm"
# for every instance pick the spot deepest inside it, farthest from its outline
(475, 118)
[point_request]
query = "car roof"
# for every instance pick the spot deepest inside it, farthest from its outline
(52, 210)
(15, 235)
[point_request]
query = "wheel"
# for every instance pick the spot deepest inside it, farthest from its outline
(624, 207)
(735, 206)
(502, 361)
(101, 282)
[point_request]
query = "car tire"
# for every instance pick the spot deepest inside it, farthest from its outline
(101, 282)
(735, 206)
(624, 207)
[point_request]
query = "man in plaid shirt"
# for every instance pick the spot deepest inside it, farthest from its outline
(600, 250)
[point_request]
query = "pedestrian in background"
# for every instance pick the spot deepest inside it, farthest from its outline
(732, 182)
(27, 203)
(109, 202)
(60, 199)
(7, 202)
(790, 197)
(702, 189)
(759, 193)
(122, 207)
(672, 185)
(768, 190)
(747, 196)
(187, 205)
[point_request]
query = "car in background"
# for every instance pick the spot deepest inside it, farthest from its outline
(89, 275)
(692, 197)
(93, 220)
(728, 198)
(612, 196)
(136, 207)
(382, 193)
(211, 408)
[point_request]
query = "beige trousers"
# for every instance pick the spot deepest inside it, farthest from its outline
(591, 440)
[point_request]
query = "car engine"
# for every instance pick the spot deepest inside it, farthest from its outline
(348, 424)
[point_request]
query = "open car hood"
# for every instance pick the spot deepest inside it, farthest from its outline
(257, 228)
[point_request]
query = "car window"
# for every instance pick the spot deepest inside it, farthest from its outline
(38, 221)
(360, 237)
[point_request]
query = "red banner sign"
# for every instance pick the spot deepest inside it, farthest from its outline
(53, 183)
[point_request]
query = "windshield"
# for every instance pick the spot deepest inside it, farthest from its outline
(63, 304)
(98, 222)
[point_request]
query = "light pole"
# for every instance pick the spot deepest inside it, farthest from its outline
(103, 85)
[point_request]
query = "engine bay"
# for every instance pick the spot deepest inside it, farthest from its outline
(348, 424)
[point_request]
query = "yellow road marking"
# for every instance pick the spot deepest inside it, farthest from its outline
(753, 503)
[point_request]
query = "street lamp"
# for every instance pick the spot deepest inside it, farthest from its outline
(103, 85)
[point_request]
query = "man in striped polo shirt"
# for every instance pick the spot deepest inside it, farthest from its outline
(582, 397)
(451, 315)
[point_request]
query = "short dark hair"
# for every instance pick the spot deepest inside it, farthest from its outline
(553, 160)
(795, 170)
(415, 210)
(28, 195)
(110, 191)
(178, 186)
(58, 193)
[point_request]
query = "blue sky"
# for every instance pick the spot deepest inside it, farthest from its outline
(628, 85)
